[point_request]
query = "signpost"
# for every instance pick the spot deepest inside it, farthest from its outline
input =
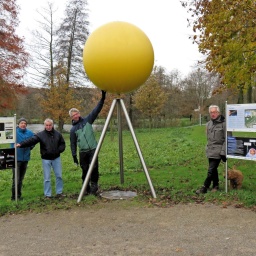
(240, 118)
(8, 152)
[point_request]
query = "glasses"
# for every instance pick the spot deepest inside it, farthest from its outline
(214, 112)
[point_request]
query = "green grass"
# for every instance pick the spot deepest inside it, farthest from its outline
(175, 159)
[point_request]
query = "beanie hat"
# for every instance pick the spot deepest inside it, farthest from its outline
(22, 119)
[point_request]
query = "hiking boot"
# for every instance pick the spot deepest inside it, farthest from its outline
(215, 189)
(202, 190)
(94, 188)
(88, 190)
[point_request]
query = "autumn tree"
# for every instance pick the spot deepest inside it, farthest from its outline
(225, 34)
(72, 35)
(13, 57)
(59, 98)
(150, 99)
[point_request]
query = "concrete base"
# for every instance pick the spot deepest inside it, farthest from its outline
(117, 194)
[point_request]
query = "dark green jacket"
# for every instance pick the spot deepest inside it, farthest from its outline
(81, 133)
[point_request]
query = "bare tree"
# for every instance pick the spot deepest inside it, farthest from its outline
(199, 85)
(173, 89)
(42, 48)
(72, 35)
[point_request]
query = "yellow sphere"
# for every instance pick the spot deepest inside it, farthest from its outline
(118, 57)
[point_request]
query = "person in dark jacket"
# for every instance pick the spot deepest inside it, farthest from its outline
(23, 156)
(82, 135)
(215, 149)
(52, 144)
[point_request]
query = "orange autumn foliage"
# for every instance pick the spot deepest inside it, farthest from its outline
(13, 57)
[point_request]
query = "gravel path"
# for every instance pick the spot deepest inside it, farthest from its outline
(121, 229)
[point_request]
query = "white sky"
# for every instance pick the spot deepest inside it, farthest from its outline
(163, 21)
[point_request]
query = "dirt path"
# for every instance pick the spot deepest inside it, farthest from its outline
(117, 229)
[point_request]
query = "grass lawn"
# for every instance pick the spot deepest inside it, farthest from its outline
(175, 159)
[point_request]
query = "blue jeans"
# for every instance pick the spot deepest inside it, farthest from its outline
(57, 168)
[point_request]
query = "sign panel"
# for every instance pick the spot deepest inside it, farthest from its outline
(241, 117)
(7, 130)
(241, 148)
(7, 158)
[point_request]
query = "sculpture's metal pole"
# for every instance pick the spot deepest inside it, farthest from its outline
(138, 149)
(120, 140)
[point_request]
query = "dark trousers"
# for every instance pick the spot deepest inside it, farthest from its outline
(85, 161)
(21, 171)
(212, 175)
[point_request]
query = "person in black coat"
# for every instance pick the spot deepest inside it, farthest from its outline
(52, 144)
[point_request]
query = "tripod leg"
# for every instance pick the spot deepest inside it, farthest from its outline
(86, 181)
(138, 149)
(120, 140)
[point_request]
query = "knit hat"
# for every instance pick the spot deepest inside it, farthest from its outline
(22, 119)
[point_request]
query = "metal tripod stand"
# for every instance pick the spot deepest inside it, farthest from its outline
(120, 105)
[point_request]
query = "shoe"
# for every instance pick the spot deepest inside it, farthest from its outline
(87, 191)
(47, 197)
(215, 189)
(202, 190)
(94, 188)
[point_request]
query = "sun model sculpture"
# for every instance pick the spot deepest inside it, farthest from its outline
(118, 57)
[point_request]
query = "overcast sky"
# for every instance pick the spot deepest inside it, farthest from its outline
(163, 21)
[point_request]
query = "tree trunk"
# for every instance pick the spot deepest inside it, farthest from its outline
(249, 94)
(240, 99)
(60, 125)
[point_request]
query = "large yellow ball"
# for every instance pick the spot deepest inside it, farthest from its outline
(118, 57)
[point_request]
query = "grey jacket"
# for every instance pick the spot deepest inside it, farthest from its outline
(216, 134)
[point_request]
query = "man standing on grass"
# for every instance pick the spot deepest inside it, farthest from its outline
(82, 135)
(215, 149)
(52, 144)
(23, 156)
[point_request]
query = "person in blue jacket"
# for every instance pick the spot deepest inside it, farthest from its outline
(82, 135)
(23, 156)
